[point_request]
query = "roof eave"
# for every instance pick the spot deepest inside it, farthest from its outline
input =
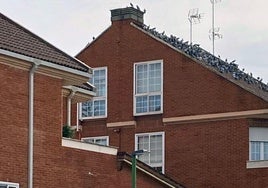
(69, 75)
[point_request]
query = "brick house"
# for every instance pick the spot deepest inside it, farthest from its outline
(38, 85)
(203, 120)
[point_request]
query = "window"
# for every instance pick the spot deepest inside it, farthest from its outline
(8, 185)
(148, 87)
(258, 143)
(100, 140)
(154, 144)
(97, 107)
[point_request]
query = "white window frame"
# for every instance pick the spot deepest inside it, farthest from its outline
(163, 145)
(97, 98)
(258, 134)
(148, 93)
(96, 138)
(9, 184)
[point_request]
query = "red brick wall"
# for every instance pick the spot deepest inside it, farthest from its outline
(54, 165)
(212, 154)
(189, 88)
(14, 121)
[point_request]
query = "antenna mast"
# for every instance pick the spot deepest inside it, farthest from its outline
(194, 18)
(214, 32)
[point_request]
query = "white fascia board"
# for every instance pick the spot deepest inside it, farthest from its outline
(80, 90)
(76, 144)
(46, 64)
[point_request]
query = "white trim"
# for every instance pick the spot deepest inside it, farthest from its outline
(262, 113)
(257, 164)
(97, 137)
(80, 90)
(9, 184)
(96, 98)
(121, 124)
(260, 135)
(163, 144)
(77, 144)
(47, 64)
(161, 92)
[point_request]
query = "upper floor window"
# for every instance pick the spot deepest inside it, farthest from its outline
(154, 144)
(101, 140)
(258, 143)
(97, 107)
(148, 87)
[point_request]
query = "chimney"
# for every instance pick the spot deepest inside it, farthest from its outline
(128, 13)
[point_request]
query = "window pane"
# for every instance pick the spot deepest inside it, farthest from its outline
(101, 141)
(143, 143)
(155, 77)
(141, 78)
(153, 144)
(88, 140)
(141, 104)
(265, 151)
(148, 83)
(94, 140)
(154, 103)
(87, 109)
(156, 149)
(99, 81)
(99, 108)
(255, 151)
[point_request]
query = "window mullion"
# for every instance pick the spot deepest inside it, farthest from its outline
(261, 150)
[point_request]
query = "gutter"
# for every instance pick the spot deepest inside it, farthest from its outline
(47, 64)
(73, 90)
(31, 123)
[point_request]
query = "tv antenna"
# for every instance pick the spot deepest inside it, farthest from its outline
(194, 18)
(214, 32)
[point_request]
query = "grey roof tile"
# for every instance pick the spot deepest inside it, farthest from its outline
(18, 39)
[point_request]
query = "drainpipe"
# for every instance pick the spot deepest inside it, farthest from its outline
(31, 119)
(77, 118)
(69, 100)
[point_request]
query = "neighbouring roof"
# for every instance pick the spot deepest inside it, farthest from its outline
(229, 70)
(18, 39)
(164, 179)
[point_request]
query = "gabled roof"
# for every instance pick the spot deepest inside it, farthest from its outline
(228, 70)
(18, 39)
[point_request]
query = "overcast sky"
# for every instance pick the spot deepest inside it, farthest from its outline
(71, 24)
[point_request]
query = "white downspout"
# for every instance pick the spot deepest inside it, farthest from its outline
(77, 117)
(31, 119)
(69, 102)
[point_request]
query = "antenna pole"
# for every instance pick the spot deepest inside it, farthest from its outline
(194, 18)
(191, 30)
(213, 29)
(214, 32)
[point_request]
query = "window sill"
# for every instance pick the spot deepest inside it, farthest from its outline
(102, 118)
(257, 164)
(148, 113)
